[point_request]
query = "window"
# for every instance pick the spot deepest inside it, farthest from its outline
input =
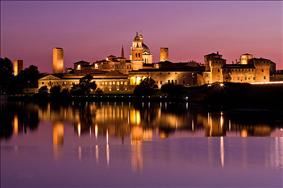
(175, 81)
(262, 70)
(264, 77)
(168, 81)
(160, 82)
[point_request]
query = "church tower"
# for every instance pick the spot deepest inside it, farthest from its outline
(137, 52)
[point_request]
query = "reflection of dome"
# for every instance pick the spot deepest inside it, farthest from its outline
(145, 48)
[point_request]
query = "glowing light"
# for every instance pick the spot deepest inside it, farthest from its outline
(96, 153)
(222, 151)
(96, 131)
(79, 129)
(16, 125)
(244, 133)
(263, 83)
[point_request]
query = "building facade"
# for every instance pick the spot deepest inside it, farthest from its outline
(255, 70)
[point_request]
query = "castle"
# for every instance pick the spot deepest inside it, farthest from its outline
(118, 74)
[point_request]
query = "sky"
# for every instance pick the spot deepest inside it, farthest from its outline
(92, 30)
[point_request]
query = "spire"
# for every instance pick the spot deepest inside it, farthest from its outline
(122, 52)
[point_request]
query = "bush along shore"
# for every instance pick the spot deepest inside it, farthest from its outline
(218, 94)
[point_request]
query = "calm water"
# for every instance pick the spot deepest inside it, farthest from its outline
(143, 145)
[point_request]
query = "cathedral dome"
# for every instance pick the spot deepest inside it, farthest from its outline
(145, 48)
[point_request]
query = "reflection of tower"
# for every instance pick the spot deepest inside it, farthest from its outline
(215, 125)
(18, 66)
(137, 156)
(58, 137)
(122, 52)
(58, 60)
(164, 55)
(16, 125)
(222, 151)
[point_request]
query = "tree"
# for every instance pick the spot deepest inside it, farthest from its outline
(85, 87)
(55, 92)
(98, 91)
(6, 74)
(28, 78)
(173, 89)
(146, 87)
(76, 90)
(43, 92)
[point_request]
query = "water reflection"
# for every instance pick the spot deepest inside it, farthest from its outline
(139, 121)
(137, 124)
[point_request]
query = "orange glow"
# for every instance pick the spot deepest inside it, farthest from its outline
(16, 125)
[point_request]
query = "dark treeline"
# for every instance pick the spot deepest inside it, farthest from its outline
(10, 84)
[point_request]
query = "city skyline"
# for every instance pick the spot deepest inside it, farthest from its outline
(189, 29)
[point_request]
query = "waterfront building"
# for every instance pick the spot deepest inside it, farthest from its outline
(140, 53)
(58, 60)
(111, 81)
(18, 66)
(116, 73)
(256, 69)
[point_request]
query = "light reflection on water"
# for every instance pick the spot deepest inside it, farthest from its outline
(154, 141)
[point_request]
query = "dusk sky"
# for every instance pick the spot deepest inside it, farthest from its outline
(93, 30)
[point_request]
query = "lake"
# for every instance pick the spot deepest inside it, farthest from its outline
(124, 144)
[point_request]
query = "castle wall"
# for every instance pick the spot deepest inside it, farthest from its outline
(164, 77)
(239, 75)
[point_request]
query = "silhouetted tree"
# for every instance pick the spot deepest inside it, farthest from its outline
(146, 87)
(85, 87)
(173, 89)
(43, 92)
(98, 91)
(6, 74)
(55, 92)
(28, 78)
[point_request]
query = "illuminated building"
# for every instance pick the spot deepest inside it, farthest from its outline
(140, 53)
(164, 54)
(256, 69)
(244, 59)
(115, 73)
(18, 66)
(58, 60)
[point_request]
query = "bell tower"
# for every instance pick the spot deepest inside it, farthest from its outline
(137, 52)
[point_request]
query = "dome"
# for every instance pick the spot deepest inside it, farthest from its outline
(145, 48)
(138, 37)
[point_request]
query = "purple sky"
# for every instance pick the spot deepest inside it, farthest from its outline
(93, 30)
